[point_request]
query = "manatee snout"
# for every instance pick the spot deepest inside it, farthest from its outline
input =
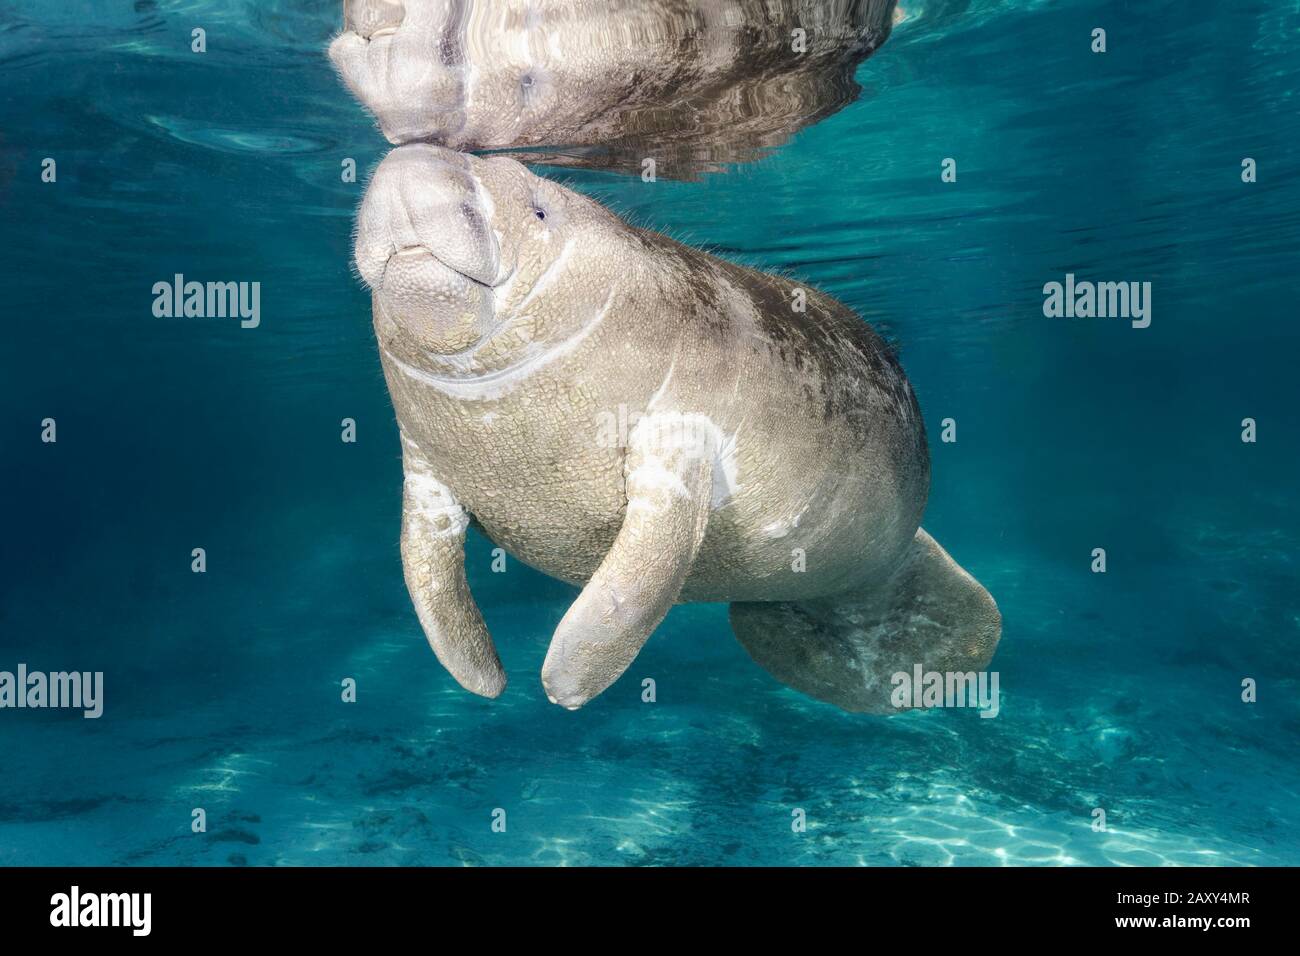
(426, 197)
(426, 247)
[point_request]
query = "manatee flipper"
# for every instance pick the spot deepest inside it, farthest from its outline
(669, 484)
(845, 649)
(433, 561)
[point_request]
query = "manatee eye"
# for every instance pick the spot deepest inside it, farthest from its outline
(539, 212)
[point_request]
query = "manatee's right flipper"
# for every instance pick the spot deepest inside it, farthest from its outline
(846, 649)
(433, 560)
(669, 486)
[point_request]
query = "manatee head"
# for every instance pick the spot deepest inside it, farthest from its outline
(476, 265)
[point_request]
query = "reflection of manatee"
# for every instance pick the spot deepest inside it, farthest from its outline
(688, 82)
(773, 456)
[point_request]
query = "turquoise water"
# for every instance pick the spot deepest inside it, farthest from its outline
(1119, 690)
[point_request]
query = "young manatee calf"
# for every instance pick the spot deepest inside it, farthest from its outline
(690, 83)
(776, 460)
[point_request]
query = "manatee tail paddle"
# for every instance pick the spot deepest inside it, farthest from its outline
(845, 649)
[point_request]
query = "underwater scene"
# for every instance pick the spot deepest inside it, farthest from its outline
(1020, 274)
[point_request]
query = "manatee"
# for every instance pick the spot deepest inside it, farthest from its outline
(691, 83)
(655, 425)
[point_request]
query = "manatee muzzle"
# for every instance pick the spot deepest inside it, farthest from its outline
(426, 197)
(426, 246)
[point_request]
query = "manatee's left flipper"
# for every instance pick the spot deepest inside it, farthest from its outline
(669, 477)
(433, 560)
(846, 649)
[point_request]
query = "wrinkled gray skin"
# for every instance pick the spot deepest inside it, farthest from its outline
(518, 321)
(689, 82)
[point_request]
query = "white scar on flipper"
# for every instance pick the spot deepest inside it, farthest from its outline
(495, 384)
(428, 498)
(725, 485)
(653, 474)
(688, 430)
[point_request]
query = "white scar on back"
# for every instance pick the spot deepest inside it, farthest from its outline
(495, 384)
